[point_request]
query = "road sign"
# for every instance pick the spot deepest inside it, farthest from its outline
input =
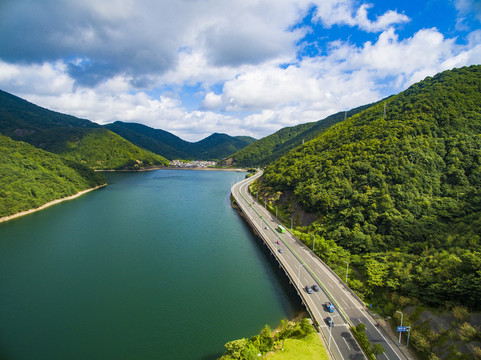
(402, 329)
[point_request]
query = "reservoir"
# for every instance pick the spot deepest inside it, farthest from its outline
(155, 266)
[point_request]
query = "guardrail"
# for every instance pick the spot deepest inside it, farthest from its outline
(328, 294)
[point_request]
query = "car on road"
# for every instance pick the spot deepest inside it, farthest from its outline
(329, 321)
(329, 307)
(315, 288)
(308, 289)
(278, 242)
(280, 250)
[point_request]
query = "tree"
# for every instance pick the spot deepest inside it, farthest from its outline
(235, 348)
(266, 342)
(376, 272)
(377, 350)
(285, 331)
(306, 326)
(361, 336)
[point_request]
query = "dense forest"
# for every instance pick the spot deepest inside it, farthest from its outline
(30, 177)
(272, 147)
(396, 191)
(102, 149)
(214, 147)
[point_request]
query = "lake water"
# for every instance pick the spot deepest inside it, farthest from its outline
(155, 266)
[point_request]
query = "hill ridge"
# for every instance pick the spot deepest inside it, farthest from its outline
(213, 147)
(400, 196)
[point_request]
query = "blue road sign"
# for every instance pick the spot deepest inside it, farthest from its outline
(402, 329)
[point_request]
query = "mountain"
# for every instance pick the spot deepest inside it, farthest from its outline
(272, 147)
(102, 149)
(31, 177)
(74, 138)
(399, 195)
(214, 147)
(218, 146)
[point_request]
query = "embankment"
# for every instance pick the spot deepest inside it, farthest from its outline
(44, 206)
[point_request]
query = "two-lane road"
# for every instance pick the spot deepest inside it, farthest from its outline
(304, 268)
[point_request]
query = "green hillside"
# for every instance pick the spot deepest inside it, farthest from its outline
(401, 196)
(77, 139)
(30, 177)
(214, 147)
(156, 140)
(272, 147)
(102, 149)
(218, 146)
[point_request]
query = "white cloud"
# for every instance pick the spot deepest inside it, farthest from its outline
(141, 39)
(212, 101)
(390, 56)
(466, 8)
(42, 79)
(231, 54)
(345, 12)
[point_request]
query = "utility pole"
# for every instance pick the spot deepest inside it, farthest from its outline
(400, 333)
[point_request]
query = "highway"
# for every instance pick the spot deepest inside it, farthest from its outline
(304, 268)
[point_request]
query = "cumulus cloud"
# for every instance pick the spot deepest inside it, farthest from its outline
(130, 59)
(349, 76)
(143, 37)
(345, 12)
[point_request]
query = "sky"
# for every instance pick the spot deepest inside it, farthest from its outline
(241, 67)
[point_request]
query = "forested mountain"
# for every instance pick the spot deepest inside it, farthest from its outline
(156, 140)
(74, 138)
(218, 146)
(272, 147)
(399, 196)
(214, 147)
(102, 149)
(31, 177)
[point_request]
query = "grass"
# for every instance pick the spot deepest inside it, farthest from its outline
(310, 348)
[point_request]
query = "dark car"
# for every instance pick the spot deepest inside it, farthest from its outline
(308, 289)
(278, 242)
(280, 250)
(329, 321)
(315, 288)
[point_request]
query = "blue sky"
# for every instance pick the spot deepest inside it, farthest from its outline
(242, 67)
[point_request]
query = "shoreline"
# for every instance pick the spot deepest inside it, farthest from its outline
(203, 169)
(53, 202)
(177, 168)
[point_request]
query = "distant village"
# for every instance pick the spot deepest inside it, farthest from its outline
(192, 164)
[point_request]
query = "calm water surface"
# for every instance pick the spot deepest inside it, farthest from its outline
(156, 266)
